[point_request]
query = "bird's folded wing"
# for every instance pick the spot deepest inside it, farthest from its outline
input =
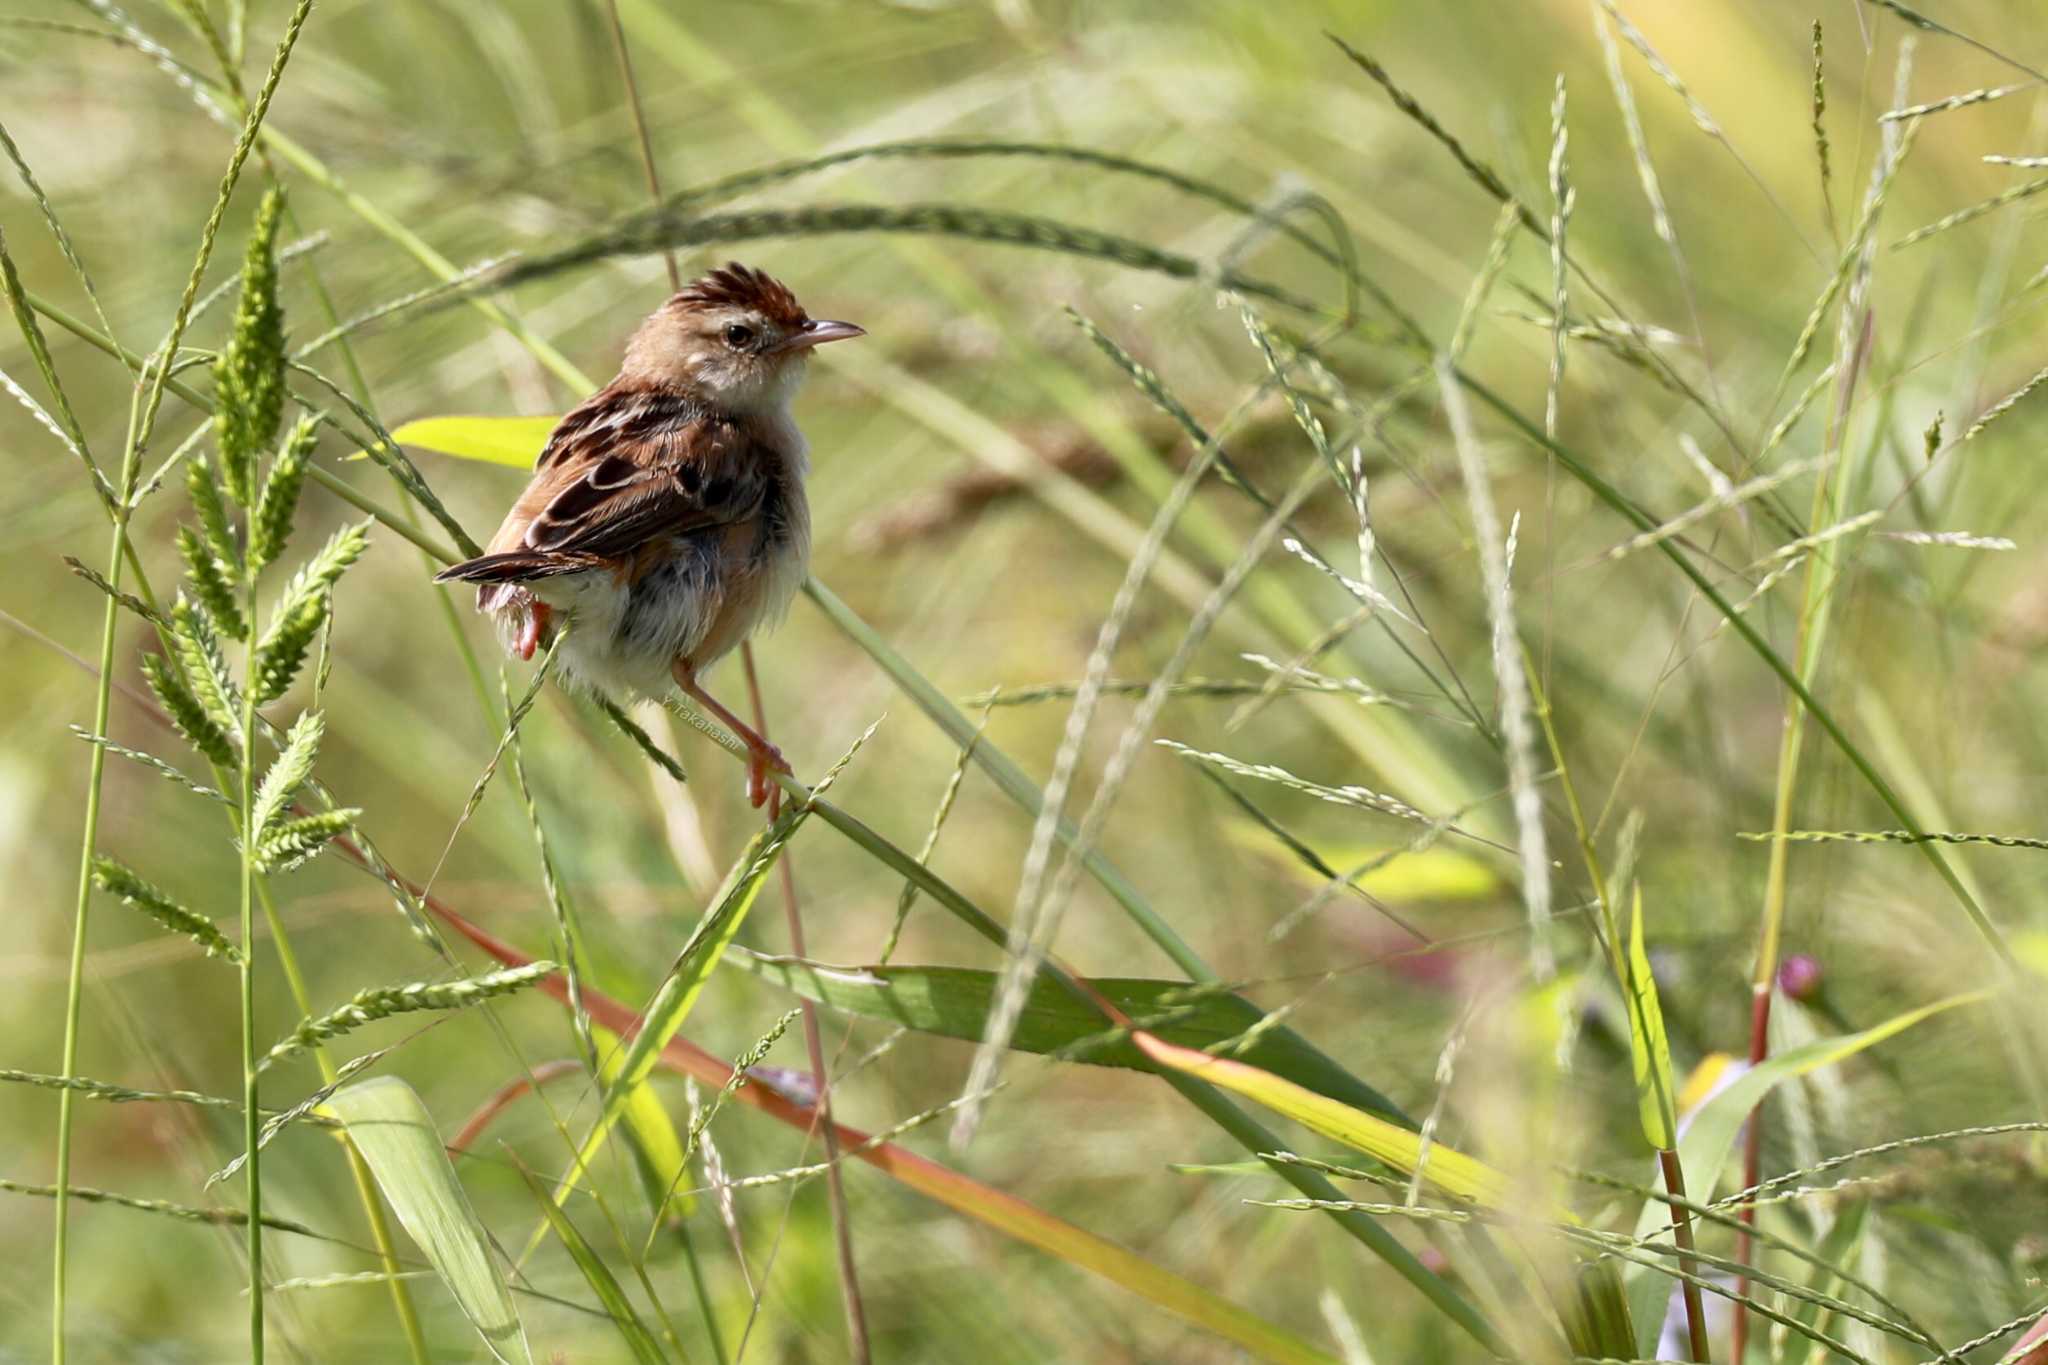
(690, 478)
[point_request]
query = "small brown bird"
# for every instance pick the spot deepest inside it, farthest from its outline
(666, 519)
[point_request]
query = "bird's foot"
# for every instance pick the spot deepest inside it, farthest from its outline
(762, 759)
(529, 634)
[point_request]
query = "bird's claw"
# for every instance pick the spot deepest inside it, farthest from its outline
(760, 762)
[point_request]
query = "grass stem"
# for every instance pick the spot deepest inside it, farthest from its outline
(1681, 1231)
(842, 1228)
(251, 1116)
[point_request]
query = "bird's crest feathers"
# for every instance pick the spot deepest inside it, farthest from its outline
(733, 285)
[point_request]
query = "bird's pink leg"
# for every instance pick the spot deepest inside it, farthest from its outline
(762, 757)
(529, 634)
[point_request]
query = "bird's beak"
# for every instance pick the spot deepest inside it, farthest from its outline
(818, 332)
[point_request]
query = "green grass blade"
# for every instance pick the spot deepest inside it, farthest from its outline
(1450, 1171)
(1649, 1049)
(953, 1002)
(396, 1135)
(699, 957)
(601, 1280)
(513, 441)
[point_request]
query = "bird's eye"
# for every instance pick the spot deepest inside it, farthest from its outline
(738, 335)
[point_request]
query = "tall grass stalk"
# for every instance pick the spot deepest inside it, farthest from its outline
(142, 424)
(117, 555)
(1832, 491)
(814, 1047)
(252, 1172)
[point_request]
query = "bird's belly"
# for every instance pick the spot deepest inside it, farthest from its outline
(697, 603)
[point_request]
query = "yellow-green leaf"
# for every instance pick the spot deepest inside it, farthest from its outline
(700, 955)
(1648, 1046)
(514, 441)
(1435, 873)
(1449, 1170)
(2031, 948)
(654, 1132)
(397, 1138)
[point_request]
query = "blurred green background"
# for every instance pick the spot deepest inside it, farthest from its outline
(976, 460)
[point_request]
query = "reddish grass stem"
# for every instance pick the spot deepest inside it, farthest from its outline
(1752, 1161)
(1681, 1231)
(502, 1099)
(849, 1282)
(842, 1227)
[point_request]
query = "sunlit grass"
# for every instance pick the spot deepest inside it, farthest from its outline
(1516, 487)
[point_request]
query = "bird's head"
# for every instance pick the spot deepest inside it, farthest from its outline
(736, 338)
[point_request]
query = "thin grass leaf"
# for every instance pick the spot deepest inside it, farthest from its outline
(1042, 890)
(56, 226)
(117, 880)
(1360, 798)
(617, 1306)
(39, 350)
(1972, 213)
(1613, 498)
(954, 1002)
(1019, 788)
(630, 728)
(1649, 1049)
(1516, 702)
(1451, 1172)
(392, 460)
(1892, 836)
(1841, 1246)
(698, 958)
(396, 1136)
(162, 769)
(1962, 101)
(183, 1212)
(643, 233)
(656, 1141)
(47, 423)
(127, 599)
(511, 441)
